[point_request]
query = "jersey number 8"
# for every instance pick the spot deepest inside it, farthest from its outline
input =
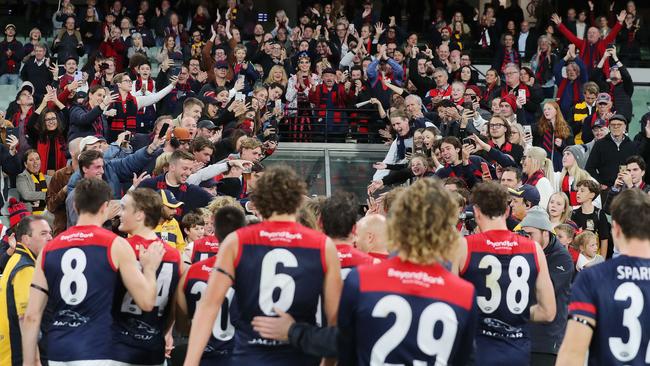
(427, 343)
(518, 272)
(73, 286)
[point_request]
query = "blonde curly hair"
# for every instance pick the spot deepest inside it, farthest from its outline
(421, 223)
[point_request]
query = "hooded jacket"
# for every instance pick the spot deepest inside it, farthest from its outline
(547, 337)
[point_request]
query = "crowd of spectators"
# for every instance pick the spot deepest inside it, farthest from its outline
(554, 108)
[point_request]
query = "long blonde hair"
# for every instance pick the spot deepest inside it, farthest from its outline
(576, 172)
(541, 162)
(566, 214)
(421, 223)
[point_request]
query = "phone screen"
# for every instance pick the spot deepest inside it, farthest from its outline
(163, 130)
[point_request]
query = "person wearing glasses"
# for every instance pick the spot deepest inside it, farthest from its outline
(127, 105)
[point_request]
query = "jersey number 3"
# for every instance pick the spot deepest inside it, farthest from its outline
(627, 351)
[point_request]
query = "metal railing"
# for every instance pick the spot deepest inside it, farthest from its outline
(330, 125)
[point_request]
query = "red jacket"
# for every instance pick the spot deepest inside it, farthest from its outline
(591, 59)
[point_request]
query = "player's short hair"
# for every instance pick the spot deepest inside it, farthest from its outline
(226, 220)
(280, 190)
(149, 202)
(339, 215)
(491, 198)
(421, 223)
(90, 194)
(631, 211)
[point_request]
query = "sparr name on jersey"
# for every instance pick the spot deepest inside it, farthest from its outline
(633, 273)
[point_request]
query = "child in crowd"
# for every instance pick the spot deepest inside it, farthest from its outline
(588, 217)
(588, 243)
(566, 234)
(168, 228)
(194, 229)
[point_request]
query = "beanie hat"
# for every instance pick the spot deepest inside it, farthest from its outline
(537, 218)
(17, 210)
(579, 154)
(510, 99)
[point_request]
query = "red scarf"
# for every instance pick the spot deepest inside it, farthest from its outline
(569, 191)
(511, 57)
(43, 148)
(534, 178)
(149, 86)
(541, 67)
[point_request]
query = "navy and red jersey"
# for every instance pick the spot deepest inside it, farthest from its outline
(221, 340)
(617, 295)
(503, 267)
(82, 279)
(398, 312)
(140, 335)
(278, 264)
(350, 257)
(204, 248)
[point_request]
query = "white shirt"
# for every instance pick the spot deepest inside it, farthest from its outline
(521, 43)
(580, 30)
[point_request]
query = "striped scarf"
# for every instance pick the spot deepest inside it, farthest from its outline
(40, 184)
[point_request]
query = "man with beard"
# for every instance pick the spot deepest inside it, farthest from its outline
(180, 167)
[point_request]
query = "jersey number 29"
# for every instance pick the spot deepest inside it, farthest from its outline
(427, 343)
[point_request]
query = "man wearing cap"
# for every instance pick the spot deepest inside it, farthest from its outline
(328, 96)
(599, 130)
(25, 102)
(207, 129)
(600, 115)
(546, 338)
(217, 79)
(168, 228)
(32, 234)
(11, 54)
(522, 200)
(611, 152)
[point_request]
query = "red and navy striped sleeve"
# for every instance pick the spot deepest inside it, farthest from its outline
(583, 300)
